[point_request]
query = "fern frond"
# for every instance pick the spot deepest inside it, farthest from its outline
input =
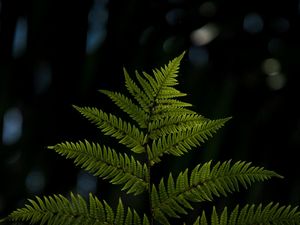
(147, 88)
(252, 214)
(137, 93)
(174, 124)
(138, 114)
(58, 210)
(107, 164)
(166, 103)
(165, 106)
(166, 78)
(171, 112)
(157, 87)
(172, 92)
(204, 182)
(181, 142)
(113, 126)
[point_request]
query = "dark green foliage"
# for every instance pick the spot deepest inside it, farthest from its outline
(162, 125)
(202, 184)
(252, 214)
(107, 164)
(57, 209)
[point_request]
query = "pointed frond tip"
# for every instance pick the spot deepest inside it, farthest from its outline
(152, 88)
(106, 163)
(58, 210)
(204, 182)
(253, 214)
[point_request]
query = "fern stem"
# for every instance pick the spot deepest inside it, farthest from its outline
(148, 180)
(149, 195)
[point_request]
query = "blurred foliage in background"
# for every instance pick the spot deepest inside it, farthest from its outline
(242, 60)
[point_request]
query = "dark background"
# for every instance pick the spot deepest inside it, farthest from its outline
(242, 60)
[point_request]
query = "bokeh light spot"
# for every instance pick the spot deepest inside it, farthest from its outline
(198, 56)
(12, 126)
(20, 38)
(97, 19)
(276, 82)
(86, 183)
(271, 66)
(207, 9)
(205, 34)
(35, 181)
(253, 23)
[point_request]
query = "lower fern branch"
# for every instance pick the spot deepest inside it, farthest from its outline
(203, 183)
(251, 215)
(58, 210)
(106, 163)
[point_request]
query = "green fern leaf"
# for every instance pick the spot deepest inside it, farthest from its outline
(107, 164)
(172, 103)
(157, 88)
(174, 124)
(171, 112)
(214, 217)
(147, 88)
(58, 210)
(203, 183)
(138, 114)
(181, 142)
(165, 107)
(137, 93)
(252, 214)
(166, 78)
(111, 125)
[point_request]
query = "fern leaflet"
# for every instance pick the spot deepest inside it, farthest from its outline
(58, 210)
(174, 124)
(137, 93)
(183, 141)
(138, 114)
(203, 183)
(253, 214)
(107, 164)
(111, 125)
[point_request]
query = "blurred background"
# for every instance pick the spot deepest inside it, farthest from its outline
(242, 60)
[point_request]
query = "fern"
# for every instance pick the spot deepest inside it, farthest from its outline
(57, 209)
(107, 164)
(252, 214)
(203, 183)
(161, 125)
(111, 125)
